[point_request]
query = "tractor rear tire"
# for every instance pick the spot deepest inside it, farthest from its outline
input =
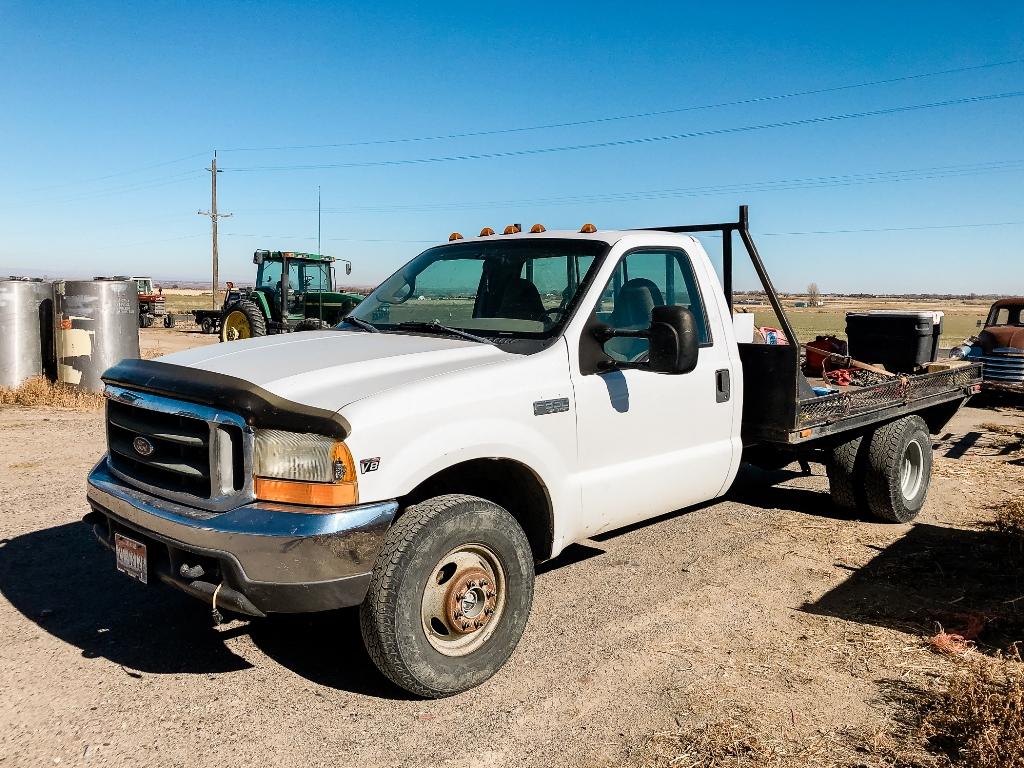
(242, 320)
(311, 324)
(146, 321)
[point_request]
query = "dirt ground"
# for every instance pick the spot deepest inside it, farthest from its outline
(765, 611)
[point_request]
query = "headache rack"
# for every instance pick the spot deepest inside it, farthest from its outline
(779, 405)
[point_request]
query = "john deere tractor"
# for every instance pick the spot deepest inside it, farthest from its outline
(293, 292)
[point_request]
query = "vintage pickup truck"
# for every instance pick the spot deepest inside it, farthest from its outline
(495, 400)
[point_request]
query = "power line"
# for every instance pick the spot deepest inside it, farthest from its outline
(893, 229)
(636, 141)
(635, 115)
(128, 172)
(814, 182)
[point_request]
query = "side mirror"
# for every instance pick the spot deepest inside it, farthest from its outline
(980, 323)
(348, 267)
(257, 258)
(674, 344)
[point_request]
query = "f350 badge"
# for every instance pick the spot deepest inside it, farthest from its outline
(369, 465)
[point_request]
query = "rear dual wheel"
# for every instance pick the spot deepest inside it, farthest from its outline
(885, 473)
(449, 596)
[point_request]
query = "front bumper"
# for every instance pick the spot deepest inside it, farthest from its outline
(266, 557)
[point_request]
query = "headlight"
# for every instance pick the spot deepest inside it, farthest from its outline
(303, 469)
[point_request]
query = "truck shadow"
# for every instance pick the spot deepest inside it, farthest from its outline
(766, 489)
(64, 581)
(967, 581)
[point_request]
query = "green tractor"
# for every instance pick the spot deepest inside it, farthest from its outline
(293, 292)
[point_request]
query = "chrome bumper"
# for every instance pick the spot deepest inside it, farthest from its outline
(276, 559)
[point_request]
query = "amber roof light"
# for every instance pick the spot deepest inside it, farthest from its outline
(588, 229)
(486, 232)
(537, 228)
(512, 229)
(454, 236)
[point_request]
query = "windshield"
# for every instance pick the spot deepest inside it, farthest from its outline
(1006, 314)
(520, 288)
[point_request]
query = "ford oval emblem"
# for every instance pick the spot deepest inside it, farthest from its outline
(142, 446)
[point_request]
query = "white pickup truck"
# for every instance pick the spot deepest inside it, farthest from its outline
(495, 400)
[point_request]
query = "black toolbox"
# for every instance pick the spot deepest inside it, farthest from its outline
(900, 340)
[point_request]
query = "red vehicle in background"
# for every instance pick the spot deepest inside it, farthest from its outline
(999, 346)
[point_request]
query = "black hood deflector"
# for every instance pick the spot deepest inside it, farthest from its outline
(256, 405)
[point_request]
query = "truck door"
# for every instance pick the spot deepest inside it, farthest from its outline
(651, 443)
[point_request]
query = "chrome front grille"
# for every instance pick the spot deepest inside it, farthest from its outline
(182, 451)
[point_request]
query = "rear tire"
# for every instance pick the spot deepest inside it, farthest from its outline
(169, 321)
(449, 596)
(899, 467)
(242, 320)
(206, 326)
(845, 470)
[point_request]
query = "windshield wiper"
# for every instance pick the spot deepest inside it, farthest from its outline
(361, 324)
(436, 326)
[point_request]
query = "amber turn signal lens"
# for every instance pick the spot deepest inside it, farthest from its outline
(306, 494)
(537, 228)
(454, 236)
(588, 229)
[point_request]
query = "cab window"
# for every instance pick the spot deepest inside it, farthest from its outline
(642, 280)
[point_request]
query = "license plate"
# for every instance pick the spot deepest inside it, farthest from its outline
(131, 557)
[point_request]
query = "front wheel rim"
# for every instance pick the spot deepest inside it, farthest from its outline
(911, 470)
(463, 600)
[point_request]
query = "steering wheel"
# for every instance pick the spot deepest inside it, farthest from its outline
(553, 315)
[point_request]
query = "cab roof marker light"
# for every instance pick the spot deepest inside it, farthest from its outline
(588, 229)
(537, 228)
(486, 232)
(512, 229)
(454, 236)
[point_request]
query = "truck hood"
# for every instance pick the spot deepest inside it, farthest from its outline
(330, 369)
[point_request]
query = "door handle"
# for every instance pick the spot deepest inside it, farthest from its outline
(722, 385)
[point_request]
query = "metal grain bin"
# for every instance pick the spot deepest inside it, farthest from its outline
(96, 324)
(26, 330)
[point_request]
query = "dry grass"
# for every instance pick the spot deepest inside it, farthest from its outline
(1010, 517)
(734, 745)
(978, 720)
(40, 392)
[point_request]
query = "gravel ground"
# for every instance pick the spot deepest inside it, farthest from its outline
(764, 609)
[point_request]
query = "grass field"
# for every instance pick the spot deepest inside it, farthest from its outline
(960, 320)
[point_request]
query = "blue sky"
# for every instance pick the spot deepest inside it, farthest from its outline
(111, 112)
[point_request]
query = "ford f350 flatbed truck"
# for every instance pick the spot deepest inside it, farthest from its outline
(495, 400)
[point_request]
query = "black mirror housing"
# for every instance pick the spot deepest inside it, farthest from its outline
(674, 343)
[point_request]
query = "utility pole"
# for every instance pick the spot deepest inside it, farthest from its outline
(214, 215)
(318, 219)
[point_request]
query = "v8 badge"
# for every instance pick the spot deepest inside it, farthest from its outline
(369, 465)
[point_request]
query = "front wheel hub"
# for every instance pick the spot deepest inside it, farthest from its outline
(470, 601)
(463, 600)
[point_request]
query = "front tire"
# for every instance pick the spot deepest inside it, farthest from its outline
(899, 467)
(243, 320)
(449, 597)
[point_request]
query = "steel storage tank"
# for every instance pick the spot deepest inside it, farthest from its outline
(96, 324)
(26, 330)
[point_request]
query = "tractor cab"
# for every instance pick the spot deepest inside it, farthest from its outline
(286, 279)
(293, 292)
